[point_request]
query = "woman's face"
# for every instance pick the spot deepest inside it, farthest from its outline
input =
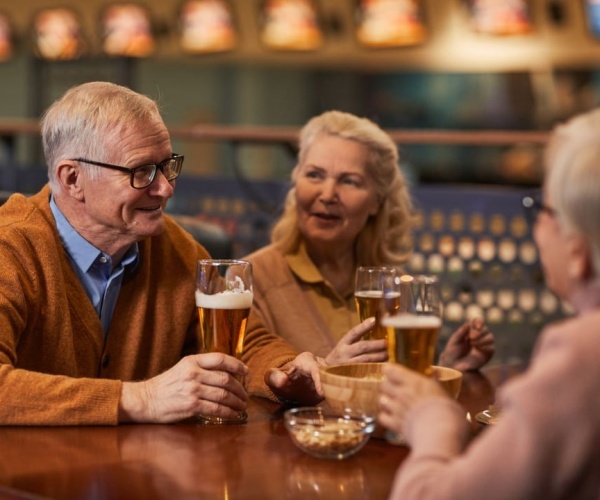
(552, 244)
(334, 193)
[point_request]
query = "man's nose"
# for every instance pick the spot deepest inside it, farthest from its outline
(161, 186)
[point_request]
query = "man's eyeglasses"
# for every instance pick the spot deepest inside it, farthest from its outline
(533, 206)
(141, 177)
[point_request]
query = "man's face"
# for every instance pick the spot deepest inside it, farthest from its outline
(116, 213)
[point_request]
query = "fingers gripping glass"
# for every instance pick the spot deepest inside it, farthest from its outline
(142, 176)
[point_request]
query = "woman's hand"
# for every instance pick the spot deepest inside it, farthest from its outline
(470, 347)
(352, 349)
(401, 389)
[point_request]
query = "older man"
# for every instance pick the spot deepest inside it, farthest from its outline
(98, 323)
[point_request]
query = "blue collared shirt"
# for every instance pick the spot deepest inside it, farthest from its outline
(93, 267)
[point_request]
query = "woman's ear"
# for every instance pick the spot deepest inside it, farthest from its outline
(70, 178)
(376, 205)
(579, 265)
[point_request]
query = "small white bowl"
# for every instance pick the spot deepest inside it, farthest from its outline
(324, 434)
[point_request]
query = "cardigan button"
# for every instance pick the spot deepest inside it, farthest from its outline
(105, 361)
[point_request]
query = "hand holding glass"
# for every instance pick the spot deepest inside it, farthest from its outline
(224, 298)
(412, 329)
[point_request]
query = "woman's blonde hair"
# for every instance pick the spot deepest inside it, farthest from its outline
(572, 164)
(386, 237)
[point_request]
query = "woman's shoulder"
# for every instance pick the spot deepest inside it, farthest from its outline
(582, 331)
(570, 348)
(564, 369)
(269, 266)
(266, 256)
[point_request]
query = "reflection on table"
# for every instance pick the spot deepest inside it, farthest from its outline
(188, 460)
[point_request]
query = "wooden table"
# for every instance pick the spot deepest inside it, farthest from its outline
(256, 460)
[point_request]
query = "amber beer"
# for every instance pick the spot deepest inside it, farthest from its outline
(223, 318)
(412, 340)
(370, 303)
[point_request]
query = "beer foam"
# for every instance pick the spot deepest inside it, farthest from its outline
(369, 294)
(376, 294)
(225, 300)
(412, 321)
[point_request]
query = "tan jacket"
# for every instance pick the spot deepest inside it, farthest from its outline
(55, 366)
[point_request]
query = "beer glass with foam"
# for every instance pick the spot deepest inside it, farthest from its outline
(368, 296)
(223, 298)
(413, 329)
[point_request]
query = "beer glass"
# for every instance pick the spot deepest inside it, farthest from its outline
(223, 298)
(368, 295)
(413, 328)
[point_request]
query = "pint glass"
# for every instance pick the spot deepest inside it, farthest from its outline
(223, 298)
(413, 329)
(368, 295)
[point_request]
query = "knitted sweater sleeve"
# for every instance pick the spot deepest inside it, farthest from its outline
(41, 381)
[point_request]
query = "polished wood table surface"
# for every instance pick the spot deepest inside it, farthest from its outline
(256, 460)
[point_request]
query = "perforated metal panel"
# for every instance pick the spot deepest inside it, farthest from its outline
(479, 241)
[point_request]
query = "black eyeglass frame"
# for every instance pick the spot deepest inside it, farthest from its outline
(131, 171)
(533, 205)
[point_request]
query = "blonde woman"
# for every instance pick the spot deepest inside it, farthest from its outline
(349, 206)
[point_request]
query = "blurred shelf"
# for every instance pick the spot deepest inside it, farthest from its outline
(10, 129)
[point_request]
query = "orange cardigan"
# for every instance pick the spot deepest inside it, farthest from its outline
(55, 366)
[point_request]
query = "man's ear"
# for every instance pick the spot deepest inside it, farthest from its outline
(70, 177)
(579, 265)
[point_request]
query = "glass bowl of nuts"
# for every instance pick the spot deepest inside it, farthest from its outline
(325, 434)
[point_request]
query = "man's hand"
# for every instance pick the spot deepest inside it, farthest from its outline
(470, 347)
(352, 349)
(298, 381)
(201, 383)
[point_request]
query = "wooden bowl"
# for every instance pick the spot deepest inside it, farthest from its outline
(356, 386)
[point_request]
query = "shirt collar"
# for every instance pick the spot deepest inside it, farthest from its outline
(81, 251)
(302, 266)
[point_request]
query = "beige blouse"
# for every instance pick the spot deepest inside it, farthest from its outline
(297, 303)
